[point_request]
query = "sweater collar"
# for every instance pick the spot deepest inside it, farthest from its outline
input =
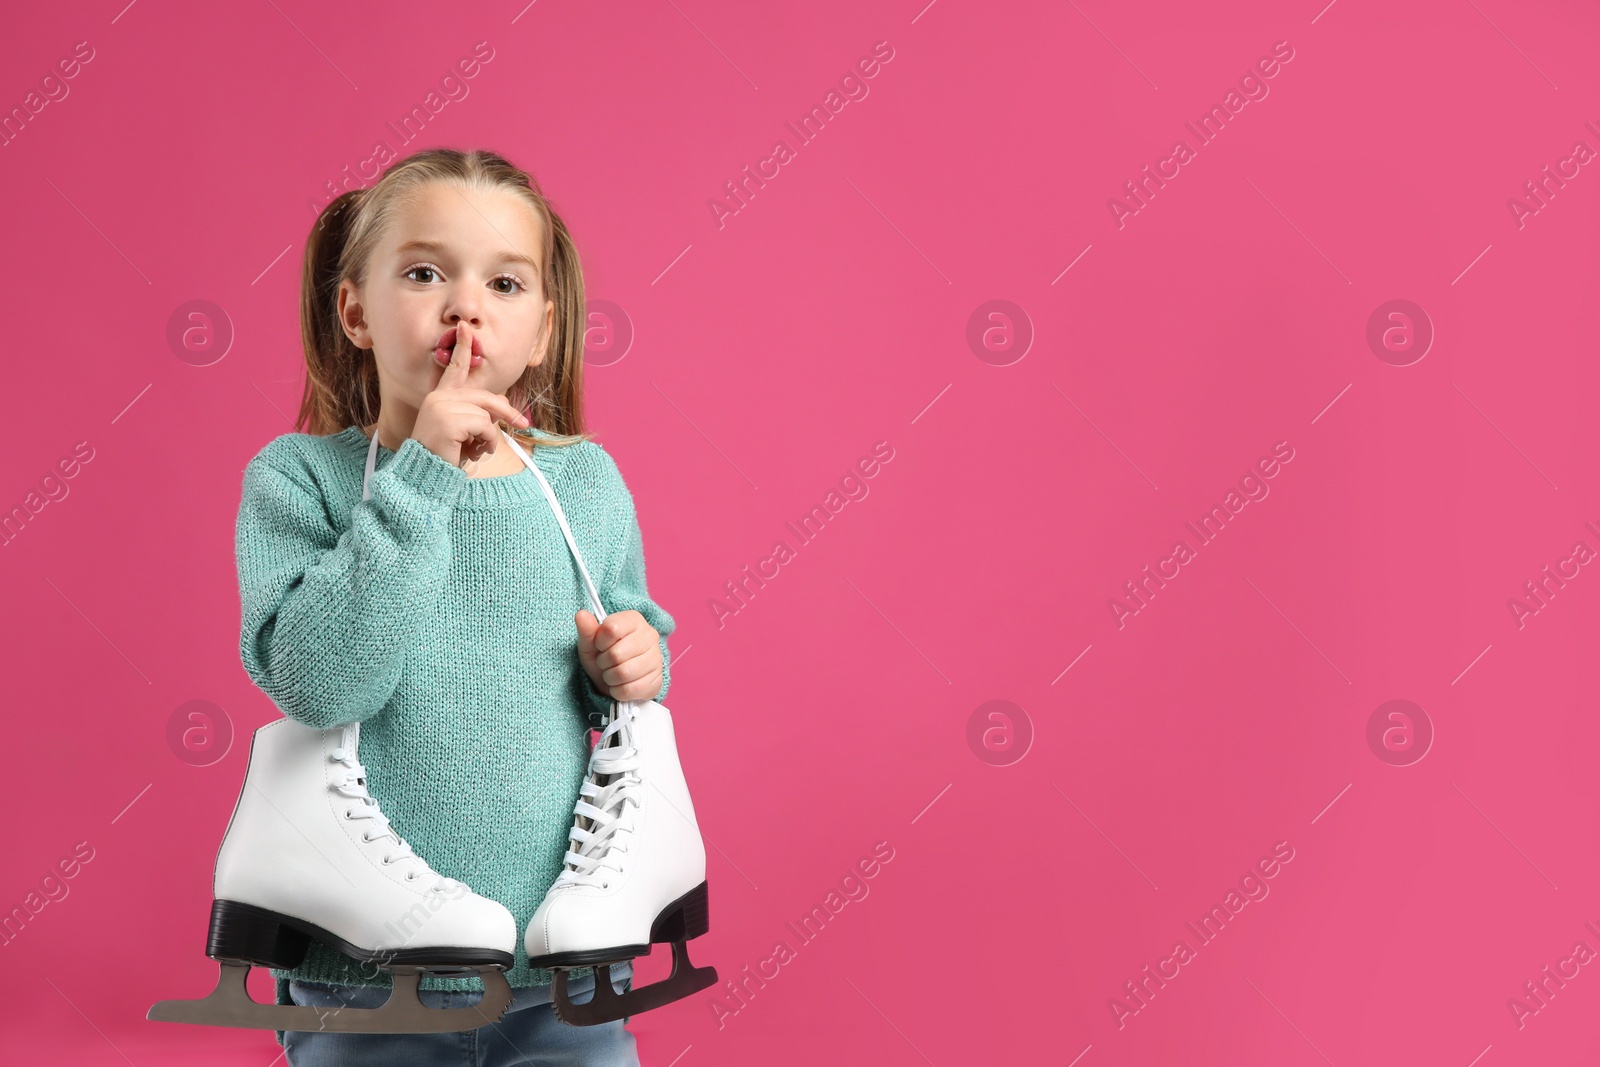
(501, 491)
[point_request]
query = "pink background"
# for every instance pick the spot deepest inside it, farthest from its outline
(1160, 759)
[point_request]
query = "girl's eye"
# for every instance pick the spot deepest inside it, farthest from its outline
(423, 268)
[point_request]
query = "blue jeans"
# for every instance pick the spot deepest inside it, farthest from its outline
(529, 1033)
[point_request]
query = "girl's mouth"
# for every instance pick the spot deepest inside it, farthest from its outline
(446, 348)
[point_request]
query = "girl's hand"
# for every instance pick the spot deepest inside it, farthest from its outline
(622, 655)
(454, 418)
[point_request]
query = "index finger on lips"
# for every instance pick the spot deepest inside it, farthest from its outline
(455, 372)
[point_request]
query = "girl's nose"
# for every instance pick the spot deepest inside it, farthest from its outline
(464, 306)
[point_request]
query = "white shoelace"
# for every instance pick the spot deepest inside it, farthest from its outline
(599, 829)
(595, 847)
(353, 784)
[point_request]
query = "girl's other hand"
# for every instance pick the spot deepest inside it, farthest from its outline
(456, 418)
(622, 655)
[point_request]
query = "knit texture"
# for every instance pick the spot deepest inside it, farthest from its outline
(439, 615)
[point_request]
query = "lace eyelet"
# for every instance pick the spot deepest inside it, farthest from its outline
(349, 813)
(366, 839)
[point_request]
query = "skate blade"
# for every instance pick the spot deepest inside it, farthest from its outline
(607, 1005)
(403, 1013)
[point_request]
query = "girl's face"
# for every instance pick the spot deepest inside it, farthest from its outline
(454, 255)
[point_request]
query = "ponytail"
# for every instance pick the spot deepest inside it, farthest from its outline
(341, 380)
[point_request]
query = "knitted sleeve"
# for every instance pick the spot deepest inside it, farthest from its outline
(622, 588)
(327, 617)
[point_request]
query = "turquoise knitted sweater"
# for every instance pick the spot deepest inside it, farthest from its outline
(438, 614)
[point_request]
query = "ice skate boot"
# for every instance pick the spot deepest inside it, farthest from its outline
(634, 874)
(635, 871)
(308, 854)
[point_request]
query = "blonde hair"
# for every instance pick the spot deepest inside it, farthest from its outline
(342, 380)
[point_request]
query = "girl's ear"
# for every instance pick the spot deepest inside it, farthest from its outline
(543, 347)
(351, 318)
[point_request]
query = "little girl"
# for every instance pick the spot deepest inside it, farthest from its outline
(432, 602)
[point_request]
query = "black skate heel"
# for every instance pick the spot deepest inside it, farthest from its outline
(254, 935)
(686, 918)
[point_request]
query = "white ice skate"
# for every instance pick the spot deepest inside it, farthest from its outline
(308, 854)
(635, 872)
